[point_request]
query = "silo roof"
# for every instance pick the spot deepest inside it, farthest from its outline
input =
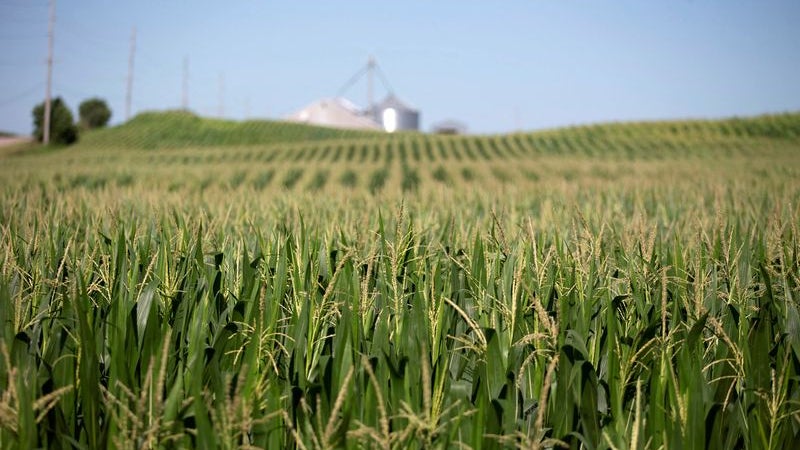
(391, 101)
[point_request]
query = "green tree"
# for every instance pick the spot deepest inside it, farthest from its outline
(94, 113)
(62, 124)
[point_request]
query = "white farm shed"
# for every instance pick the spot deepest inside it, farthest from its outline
(335, 113)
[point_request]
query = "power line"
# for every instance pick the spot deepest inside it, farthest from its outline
(24, 14)
(22, 95)
(21, 37)
(24, 5)
(20, 64)
(75, 51)
(151, 64)
(106, 43)
(79, 92)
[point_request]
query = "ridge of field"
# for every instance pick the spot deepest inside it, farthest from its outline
(171, 129)
(785, 125)
(181, 153)
(180, 129)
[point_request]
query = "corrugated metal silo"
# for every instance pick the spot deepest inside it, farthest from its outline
(394, 115)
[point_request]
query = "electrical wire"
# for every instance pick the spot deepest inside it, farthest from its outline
(76, 92)
(22, 5)
(22, 95)
(104, 43)
(21, 64)
(23, 37)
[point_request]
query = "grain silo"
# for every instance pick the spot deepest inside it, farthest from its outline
(391, 114)
(394, 115)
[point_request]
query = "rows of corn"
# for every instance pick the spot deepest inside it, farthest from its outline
(652, 307)
(185, 155)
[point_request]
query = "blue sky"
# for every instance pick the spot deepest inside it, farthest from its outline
(496, 66)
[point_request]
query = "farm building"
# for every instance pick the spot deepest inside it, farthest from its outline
(450, 127)
(389, 115)
(336, 113)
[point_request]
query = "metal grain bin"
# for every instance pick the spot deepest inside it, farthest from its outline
(394, 115)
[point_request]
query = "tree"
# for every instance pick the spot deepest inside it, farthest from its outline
(62, 124)
(94, 113)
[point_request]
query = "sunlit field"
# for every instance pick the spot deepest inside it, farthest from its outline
(181, 282)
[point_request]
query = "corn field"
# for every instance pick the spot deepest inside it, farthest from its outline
(631, 286)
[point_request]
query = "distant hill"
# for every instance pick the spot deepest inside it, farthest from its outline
(173, 129)
(179, 129)
(176, 151)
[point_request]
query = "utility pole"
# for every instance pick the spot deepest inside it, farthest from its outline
(185, 99)
(221, 110)
(47, 92)
(129, 91)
